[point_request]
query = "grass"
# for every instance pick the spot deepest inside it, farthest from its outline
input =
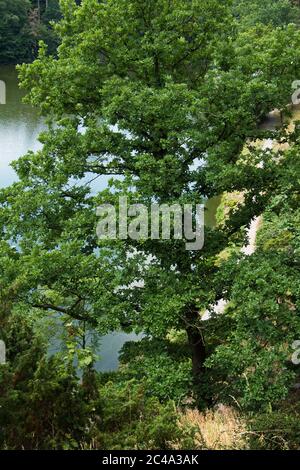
(219, 429)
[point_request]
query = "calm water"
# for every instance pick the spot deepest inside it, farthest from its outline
(19, 126)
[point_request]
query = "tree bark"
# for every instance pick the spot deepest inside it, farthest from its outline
(197, 346)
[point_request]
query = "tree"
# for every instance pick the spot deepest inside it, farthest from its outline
(43, 404)
(264, 298)
(167, 96)
(36, 391)
(23, 23)
(15, 39)
(45, 15)
(249, 13)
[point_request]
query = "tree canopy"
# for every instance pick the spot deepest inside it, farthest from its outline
(22, 24)
(164, 99)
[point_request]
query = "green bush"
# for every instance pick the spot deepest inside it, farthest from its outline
(131, 420)
(44, 404)
(164, 368)
(278, 430)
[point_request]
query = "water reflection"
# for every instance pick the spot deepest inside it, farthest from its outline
(20, 126)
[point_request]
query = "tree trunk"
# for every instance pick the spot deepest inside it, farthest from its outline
(39, 10)
(197, 346)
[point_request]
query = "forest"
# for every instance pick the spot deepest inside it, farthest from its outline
(175, 103)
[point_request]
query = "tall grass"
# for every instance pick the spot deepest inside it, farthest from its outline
(218, 429)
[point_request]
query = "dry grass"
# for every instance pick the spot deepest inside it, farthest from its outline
(219, 429)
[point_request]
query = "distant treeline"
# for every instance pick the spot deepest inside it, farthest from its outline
(22, 24)
(278, 13)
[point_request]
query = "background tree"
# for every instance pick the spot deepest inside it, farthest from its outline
(250, 13)
(15, 39)
(22, 24)
(263, 312)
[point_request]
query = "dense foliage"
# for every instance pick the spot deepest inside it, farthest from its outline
(165, 99)
(276, 12)
(22, 24)
(44, 405)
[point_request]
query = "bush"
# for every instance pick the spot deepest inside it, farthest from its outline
(164, 368)
(131, 420)
(278, 430)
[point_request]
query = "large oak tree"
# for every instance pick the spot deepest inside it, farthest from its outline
(165, 94)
